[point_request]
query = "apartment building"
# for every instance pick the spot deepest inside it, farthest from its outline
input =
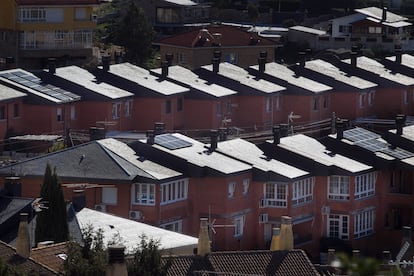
(33, 31)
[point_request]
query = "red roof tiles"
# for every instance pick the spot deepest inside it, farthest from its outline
(219, 35)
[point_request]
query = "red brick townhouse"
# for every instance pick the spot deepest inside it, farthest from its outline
(102, 104)
(157, 100)
(304, 97)
(402, 63)
(207, 104)
(46, 109)
(353, 97)
(334, 203)
(394, 88)
(195, 48)
(258, 102)
(11, 102)
(390, 192)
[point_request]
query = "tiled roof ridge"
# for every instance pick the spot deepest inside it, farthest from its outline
(50, 246)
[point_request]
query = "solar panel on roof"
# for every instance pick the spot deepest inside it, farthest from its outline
(398, 153)
(359, 134)
(171, 142)
(371, 144)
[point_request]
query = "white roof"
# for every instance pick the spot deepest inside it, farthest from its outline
(239, 74)
(332, 71)
(84, 78)
(284, 73)
(143, 77)
(130, 231)
(307, 30)
(374, 66)
(182, 2)
(188, 77)
(313, 149)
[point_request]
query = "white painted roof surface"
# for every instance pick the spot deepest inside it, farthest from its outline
(239, 74)
(188, 77)
(374, 66)
(182, 2)
(200, 155)
(84, 78)
(328, 69)
(406, 60)
(284, 73)
(123, 150)
(7, 93)
(250, 153)
(143, 77)
(313, 149)
(129, 231)
(308, 30)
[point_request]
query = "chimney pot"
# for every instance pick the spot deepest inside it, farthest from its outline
(216, 65)
(400, 123)
(284, 130)
(286, 233)
(51, 65)
(354, 59)
(275, 244)
(150, 137)
(217, 54)
(106, 60)
(213, 139)
(386, 256)
(331, 255)
(262, 64)
(164, 69)
(263, 54)
(276, 134)
(339, 129)
(355, 253)
(23, 237)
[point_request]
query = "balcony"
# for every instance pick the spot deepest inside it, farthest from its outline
(56, 40)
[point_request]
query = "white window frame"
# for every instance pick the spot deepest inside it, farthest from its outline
(231, 189)
(338, 226)
(338, 187)
(110, 195)
(239, 223)
(174, 191)
(364, 222)
(246, 184)
(374, 30)
(302, 191)
(365, 185)
(128, 108)
(35, 14)
(175, 226)
(143, 194)
(116, 109)
(72, 112)
(275, 195)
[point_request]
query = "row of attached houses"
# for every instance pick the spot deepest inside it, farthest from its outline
(125, 97)
(345, 191)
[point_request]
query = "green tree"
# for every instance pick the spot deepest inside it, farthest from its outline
(358, 265)
(147, 259)
(51, 222)
(91, 259)
(134, 33)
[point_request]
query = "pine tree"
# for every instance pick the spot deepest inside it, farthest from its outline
(51, 222)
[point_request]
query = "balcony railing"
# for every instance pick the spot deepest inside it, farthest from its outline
(56, 40)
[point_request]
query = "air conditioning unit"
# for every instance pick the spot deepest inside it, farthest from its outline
(326, 210)
(100, 207)
(135, 215)
(263, 218)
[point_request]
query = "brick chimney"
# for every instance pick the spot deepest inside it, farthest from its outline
(203, 246)
(116, 261)
(150, 137)
(159, 128)
(286, 233)
(23, 237)
(275, 244)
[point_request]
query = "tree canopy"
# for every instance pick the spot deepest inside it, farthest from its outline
(51, 222)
